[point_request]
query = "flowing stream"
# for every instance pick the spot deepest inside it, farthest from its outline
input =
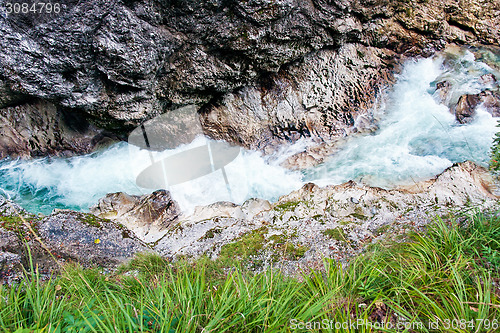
(417, 138)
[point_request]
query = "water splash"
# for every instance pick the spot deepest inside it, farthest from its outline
(417, 138)
(41, 185)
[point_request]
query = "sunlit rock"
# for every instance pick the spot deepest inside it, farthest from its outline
(333, 221)
(148, 216)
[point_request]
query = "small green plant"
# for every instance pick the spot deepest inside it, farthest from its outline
(495, 153)
(92, 220)
(335, 233)
(284, 248)
(15, 224)
(248, 245)
(11, 223)
(287, 206)
(146, 263)
(212, 232)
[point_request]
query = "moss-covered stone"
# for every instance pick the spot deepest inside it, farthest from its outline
(335, 233)
(284, 248)
(93, 220)
(16, 224)
(247, 245)
(287, 206)
(12, 223)
(212, 232)
(359, 216)
(383, 229)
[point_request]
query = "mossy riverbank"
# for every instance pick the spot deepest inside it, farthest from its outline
(444, 280)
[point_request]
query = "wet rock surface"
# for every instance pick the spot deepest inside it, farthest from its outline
(465, 109)
(483, 90)
(121, 62)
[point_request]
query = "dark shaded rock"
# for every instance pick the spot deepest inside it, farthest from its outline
(466, 108)
(87, 239)
(39, 128)
(148, 216)
(9, 242)
(121, 62)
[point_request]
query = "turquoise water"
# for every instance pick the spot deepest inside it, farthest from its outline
(417, 138)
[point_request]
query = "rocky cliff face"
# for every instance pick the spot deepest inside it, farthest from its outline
(288, 67)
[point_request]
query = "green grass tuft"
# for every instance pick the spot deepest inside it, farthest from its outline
(335, 233)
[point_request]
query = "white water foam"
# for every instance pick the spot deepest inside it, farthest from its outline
(78, 182)
(417, 138)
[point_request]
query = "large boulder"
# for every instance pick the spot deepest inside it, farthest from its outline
(466, 108)
(467, 105)
(148, 216)
(63, 236)
(87, 239)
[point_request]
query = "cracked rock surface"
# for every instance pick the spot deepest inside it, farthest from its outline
(334, 221)
(69, 236)
(117, 63)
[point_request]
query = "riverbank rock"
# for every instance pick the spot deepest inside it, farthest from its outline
(10, 256)
(63, 236)
(334, 222)
(148, 216)
(118, 63)
(296, 232)
(87, 239)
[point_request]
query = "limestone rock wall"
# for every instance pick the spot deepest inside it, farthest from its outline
(120, 62)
